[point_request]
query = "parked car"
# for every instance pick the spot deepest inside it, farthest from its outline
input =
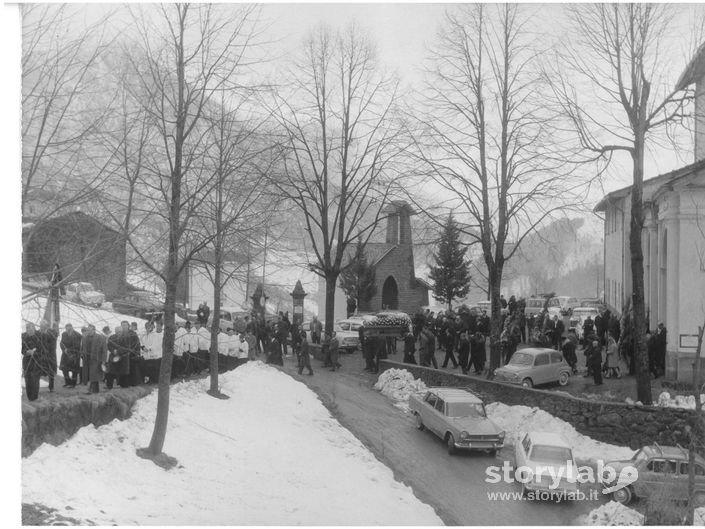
(458, 417)
(541, 458)
(85, 293)
(554, 307)
(347, 333)
(230, 317)
(659, 472)
(534, 306)
(534, 366)
(567, 304)
(139, 303)
(594, 303)
(580, 314)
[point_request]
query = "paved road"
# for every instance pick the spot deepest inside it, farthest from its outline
(455, 485)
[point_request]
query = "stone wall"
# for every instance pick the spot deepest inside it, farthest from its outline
(54, 421)
(609, 422)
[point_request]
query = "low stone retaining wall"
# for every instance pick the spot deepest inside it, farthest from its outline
(54, 421)
(609, 422)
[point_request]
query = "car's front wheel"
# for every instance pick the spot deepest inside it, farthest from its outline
(419, 421)
(527, 383)
(450, 440)
(563, 378)
(623, 495)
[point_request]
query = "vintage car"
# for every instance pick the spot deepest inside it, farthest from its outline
(654, 472)
(84, 293)
(534, 366)
(347, 332)
(458, 417)
(231, 318)
(579, 315)
(534, 306)
(544, 462)
(140, 303)
(567, 304)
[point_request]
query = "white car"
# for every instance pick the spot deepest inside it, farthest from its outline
(85, 293)
(544, 462)
(347, 333)
(580, 314)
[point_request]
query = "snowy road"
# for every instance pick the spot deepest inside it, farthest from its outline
(454, 486)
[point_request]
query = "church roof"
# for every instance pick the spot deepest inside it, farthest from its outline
(376, 251)
(694, 71)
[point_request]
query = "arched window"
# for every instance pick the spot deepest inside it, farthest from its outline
(390, 294)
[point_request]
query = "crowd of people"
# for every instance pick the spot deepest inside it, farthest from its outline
(127, 356)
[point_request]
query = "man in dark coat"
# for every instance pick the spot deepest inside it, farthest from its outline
(409, 348)
(203, 313)
(651, 351)
(464, 352)
(478, 353)
(558, 333)
(305, 358)
(32, 362)
(449, 332)
(282, 333)
(70, 356)
(93, 353)
(274, 352)
(568, 351)
(48, 338)
(129, 345)
(117, 363)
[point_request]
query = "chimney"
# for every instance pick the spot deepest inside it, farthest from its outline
(393, 228)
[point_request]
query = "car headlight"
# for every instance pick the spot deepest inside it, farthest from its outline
(501, 435)
(464, 436)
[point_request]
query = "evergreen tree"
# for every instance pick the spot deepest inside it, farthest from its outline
(357, 280)
(451, 274)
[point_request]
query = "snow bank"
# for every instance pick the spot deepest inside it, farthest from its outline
(270, 455)
(517, 419)
(678, 401)
(398, 384)
(699, 516)
(613, 513)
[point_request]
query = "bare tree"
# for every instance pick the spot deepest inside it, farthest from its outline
(339, 143)
(620, 55)
(62, 107)
(486, 141)
(183, 56)
(235, 208)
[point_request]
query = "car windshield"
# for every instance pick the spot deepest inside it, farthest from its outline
(639, 456)
(554, 303)
(465, 409)
(557, 455)
(522, 359)
(535, 303)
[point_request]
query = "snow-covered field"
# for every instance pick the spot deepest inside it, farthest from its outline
(270, 455)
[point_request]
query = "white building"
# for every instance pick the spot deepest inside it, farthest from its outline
(673, 242)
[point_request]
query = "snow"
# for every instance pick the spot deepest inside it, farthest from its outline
(613, 513)
(517, 419)
(398, 384)
(75, 314)
(678, 401)
(270, 455)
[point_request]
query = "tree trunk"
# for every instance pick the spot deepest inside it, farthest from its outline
(159, 433)
(697, 433)
(643, 381)
(331, 281)
(216, 321)
(495, 282)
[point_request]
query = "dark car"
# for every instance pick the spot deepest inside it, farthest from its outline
(139, 303)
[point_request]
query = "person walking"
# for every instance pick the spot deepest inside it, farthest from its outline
(93, 353)
(429, 354)
(304, 356)
(70, 363)
(274, 352)
(568, 350)
(409, 348)
(594, 359)
(661, 341)
(333, 351)
(315, 328)
(464, 352)
(612, 358)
